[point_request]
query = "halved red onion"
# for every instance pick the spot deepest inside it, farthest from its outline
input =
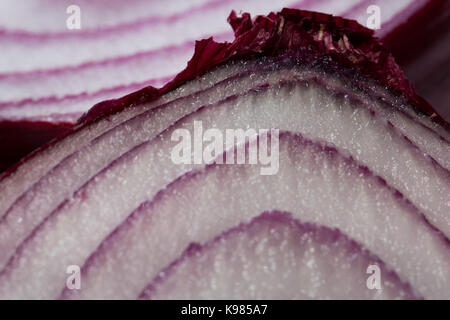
(324, 78)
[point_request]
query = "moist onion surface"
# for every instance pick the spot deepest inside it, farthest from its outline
(361, 178)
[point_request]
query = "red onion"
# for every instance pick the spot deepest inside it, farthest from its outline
(359, 151)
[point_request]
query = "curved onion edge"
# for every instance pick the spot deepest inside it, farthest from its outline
(349, 43)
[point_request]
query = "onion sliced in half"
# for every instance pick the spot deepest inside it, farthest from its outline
(360, 151)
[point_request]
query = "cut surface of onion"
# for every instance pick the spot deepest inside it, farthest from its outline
(359, 152)
(257, 103)
(245, 261)
(368, 212)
